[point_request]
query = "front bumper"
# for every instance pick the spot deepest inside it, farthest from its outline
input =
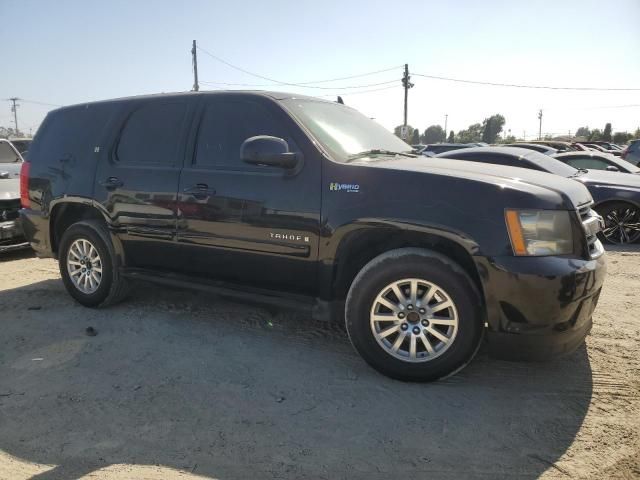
(539, 307)
(11, 236)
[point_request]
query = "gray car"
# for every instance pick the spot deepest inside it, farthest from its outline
(632, 153)
(11, 236)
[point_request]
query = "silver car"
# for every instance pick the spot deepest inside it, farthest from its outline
(11, 236)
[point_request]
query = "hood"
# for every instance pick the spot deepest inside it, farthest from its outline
(9, 188)
(13, 169)
(610, 179)
(518, 178)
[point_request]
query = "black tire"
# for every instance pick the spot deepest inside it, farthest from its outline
(615, 234)
(433, 267)
(113, 287)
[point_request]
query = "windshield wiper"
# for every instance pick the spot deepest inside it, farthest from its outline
(377, 151)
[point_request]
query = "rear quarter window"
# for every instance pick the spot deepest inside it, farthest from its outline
(70, 134)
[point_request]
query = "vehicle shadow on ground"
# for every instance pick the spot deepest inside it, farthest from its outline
(224, 390)
(634, 248)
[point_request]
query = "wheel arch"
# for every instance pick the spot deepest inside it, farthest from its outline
(361, 246)
(72, 210)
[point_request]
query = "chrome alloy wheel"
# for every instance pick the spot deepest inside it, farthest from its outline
(414, 320)
(622, 225)
(84, 266)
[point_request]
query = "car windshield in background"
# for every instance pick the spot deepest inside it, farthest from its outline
(7, 154)
(21, 145)
(551, 165)
(343, 131)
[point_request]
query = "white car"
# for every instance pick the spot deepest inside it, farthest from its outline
(11, 236)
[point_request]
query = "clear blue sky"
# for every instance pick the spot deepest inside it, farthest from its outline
(72, 51)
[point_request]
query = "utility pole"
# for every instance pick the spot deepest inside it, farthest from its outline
(14, 109)
(446, 117)
(194, 59)
(407, 85)
(540, 127)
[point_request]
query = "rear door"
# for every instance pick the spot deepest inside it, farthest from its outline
(245, 223)
(138, 174)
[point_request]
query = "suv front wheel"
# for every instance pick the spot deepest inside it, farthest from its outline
(414, 314)
(88, 265)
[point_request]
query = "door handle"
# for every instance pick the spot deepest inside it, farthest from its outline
(200, 190)
(112, 183)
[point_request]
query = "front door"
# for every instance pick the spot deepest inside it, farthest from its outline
(246, 223)
(138, 174)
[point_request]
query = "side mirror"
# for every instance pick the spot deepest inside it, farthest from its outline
(268, 151)
(612, 168)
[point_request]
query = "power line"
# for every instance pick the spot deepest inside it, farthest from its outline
(300, 84)
(514, 85)
(41, 103)
(361, 91)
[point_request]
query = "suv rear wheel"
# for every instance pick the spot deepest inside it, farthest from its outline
(88, 265)
(414, 315)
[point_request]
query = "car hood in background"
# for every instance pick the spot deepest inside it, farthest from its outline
(496, 174)
(610, 179)
(9, 188)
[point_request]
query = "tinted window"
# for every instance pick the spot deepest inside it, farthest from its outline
(226, 124)
(71, 133)
(151, 134)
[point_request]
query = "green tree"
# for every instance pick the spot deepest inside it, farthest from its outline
(452, 137)
(415, 137)
(396, 131)
(606, 135)
(583, 132)
(636, 134)
(595, 135)
(433, 134)
(621, 137)
(491, 128)
(472, 134)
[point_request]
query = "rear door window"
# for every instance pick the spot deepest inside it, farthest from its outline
(151, 134)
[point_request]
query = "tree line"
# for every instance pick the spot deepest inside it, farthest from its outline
(490, 130)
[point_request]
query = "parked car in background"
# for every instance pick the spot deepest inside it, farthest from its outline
(616, 195)
(292, 200)
(536, 147)
(558, 145)
(632, 153)
(436, 148)
(603, 147)
(21, 144)
(11, 235)
(597, 161)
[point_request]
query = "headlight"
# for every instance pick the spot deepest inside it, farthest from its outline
(539, 232)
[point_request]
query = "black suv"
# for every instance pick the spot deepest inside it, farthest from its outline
(302, 202)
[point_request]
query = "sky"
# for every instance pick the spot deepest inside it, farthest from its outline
(67, 52)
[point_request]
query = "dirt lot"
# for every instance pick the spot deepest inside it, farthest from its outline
(182, 385)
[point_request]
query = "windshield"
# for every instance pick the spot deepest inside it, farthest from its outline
(7, 154)
(343, 131)
(550, 164)
(21, 145)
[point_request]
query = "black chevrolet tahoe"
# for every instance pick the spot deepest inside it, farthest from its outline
(299, 202)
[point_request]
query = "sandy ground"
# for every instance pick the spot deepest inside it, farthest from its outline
(182, 385)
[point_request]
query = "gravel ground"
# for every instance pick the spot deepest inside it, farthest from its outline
(180, 385)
